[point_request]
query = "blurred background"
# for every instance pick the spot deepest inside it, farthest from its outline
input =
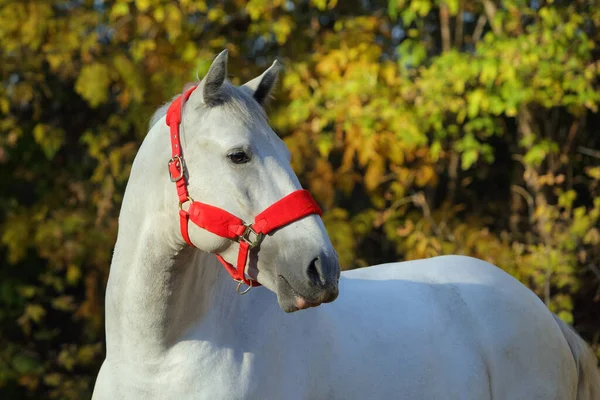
(422, 127)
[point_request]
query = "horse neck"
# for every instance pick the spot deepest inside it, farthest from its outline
(158, 289)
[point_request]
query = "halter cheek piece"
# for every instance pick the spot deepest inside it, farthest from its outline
(292, 207)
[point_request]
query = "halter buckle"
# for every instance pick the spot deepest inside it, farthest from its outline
(258, 237)
(179, 160)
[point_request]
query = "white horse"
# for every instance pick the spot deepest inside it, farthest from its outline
(442, 328)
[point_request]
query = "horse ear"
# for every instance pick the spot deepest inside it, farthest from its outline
(262, 86)
(214, 79)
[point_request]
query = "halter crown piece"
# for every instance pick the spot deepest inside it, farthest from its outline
(290, 208)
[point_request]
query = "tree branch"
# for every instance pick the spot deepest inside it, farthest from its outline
(589, 152)
(445, 26)
(570, 137)
(490, 10)
(458, 33)
(478, 31)
(525, 194)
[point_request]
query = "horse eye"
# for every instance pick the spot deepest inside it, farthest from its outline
(238, 157)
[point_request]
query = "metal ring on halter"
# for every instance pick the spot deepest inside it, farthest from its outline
(240, 283)
(181, 203)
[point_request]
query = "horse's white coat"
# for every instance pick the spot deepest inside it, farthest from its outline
(443, 328)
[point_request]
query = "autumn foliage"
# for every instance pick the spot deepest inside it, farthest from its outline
(423, 127)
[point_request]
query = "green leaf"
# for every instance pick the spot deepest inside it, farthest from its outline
(393, 9)
(468, 158)
(25, 364)
(50, 139)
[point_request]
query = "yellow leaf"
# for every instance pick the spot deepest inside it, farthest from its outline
(73, 274)
(87, 353)
(92, 83)
(120, 9)
(425, 175)
(4, 105)
(142, 5)
(52, 379)
(159, 14)
(374, 173)
(34, 312)
(593, 172)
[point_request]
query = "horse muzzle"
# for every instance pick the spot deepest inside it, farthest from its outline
(318, 284)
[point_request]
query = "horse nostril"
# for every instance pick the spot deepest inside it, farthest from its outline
(313, 272)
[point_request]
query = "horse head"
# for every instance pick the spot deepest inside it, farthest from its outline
(237, 169)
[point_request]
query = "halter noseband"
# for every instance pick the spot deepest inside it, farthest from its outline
(290, 208)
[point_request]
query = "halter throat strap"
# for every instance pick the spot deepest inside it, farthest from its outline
(290, 208)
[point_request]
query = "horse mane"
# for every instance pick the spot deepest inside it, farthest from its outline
(238, 100)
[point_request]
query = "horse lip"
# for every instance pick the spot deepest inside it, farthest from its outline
(302, 304)
(287, 287)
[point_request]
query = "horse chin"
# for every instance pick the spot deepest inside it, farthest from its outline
(290, 300)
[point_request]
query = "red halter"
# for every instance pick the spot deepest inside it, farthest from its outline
(292, 207)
